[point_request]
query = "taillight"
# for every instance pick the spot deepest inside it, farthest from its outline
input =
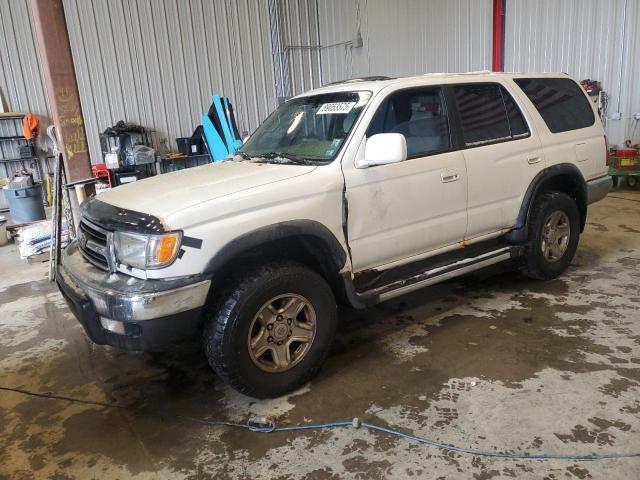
(607, 157)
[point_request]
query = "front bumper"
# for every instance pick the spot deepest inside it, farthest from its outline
(153, 313)
(598, 188)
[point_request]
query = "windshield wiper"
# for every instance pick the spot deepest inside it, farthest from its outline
(274, 155)
(243, 155)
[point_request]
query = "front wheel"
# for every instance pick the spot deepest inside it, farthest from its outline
(272, 331)
(554, 231)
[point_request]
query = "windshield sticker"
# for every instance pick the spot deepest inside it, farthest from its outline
(328, 153)
(335, 108)
(336, 142)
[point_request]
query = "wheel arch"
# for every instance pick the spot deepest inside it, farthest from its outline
(563, 177)
(305, 241)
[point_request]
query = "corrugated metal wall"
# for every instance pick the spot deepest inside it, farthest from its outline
(21, 84)
(299, 39)
(157, 62)
(597, 39)
(404, 37)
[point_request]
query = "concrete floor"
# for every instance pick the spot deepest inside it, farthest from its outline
(491, 362)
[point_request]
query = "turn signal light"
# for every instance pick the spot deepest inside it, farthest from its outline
(167, 249)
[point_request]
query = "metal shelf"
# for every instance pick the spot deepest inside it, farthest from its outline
(28, 159)
(12, 139)
(11, 116)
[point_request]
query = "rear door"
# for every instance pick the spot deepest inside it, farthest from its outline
(502, 155)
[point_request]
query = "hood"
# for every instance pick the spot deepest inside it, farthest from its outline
(165, 194)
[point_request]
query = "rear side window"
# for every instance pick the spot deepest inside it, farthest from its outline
(418, 114)
(488, 114)
(517, 123)
(560, 101)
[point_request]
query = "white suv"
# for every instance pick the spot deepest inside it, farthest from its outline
(356, 192)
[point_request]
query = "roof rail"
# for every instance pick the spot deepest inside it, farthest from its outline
(373, 78)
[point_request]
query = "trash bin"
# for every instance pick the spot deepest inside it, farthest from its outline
(25, 204)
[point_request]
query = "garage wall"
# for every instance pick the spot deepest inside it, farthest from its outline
(299, 37)
(157, 62)
(404, 37)
(597, 39)
(21, 86)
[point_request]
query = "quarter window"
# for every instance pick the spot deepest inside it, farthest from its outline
(488, 114)
(517, 124)
(418, 114)
(560, 101)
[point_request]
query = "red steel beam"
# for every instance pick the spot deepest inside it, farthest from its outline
(498, 36)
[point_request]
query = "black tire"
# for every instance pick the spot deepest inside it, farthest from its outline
(226, 332)
(632, 182)
(534, 263)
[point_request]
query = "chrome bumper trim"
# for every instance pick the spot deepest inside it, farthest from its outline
(121, 297)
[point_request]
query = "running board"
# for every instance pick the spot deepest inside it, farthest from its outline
(439, 274)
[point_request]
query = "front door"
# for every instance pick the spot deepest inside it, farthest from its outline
(402, 211)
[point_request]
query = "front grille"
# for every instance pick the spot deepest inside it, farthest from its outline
(94, 244)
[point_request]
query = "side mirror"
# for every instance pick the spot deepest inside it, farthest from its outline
(384, 148)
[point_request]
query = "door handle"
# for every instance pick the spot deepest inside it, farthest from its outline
(532, 160)
(447, 178)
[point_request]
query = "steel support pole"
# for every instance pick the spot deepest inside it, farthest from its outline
(497, 61)
(54, 52)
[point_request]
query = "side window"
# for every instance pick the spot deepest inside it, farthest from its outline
(420, 115)
(560, 101)
(517, 124)
(488, 114)
(482, 114)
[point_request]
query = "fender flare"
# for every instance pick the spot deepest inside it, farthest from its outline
(279, 231)
(519, 232)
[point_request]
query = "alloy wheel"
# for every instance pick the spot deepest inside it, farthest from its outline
(282, 333)
(556, 232)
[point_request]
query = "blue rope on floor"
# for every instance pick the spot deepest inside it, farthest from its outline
(259, 425)
(262, 425)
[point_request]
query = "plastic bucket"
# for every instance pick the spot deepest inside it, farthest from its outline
(25, 204)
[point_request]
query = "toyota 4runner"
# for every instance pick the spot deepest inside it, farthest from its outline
(356, 192)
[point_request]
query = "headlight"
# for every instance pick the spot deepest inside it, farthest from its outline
(146, 251)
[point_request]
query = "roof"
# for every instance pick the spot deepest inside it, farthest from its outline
(377, 83)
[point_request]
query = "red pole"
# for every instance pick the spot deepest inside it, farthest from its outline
(498, 36)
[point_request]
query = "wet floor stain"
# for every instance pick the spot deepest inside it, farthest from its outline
(491, 361)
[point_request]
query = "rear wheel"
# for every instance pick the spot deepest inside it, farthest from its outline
(273, 329)
(632, 182)
(554, 231)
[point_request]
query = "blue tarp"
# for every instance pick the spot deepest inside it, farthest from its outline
(220, 130)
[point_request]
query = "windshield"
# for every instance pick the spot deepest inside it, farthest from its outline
(308, 129)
